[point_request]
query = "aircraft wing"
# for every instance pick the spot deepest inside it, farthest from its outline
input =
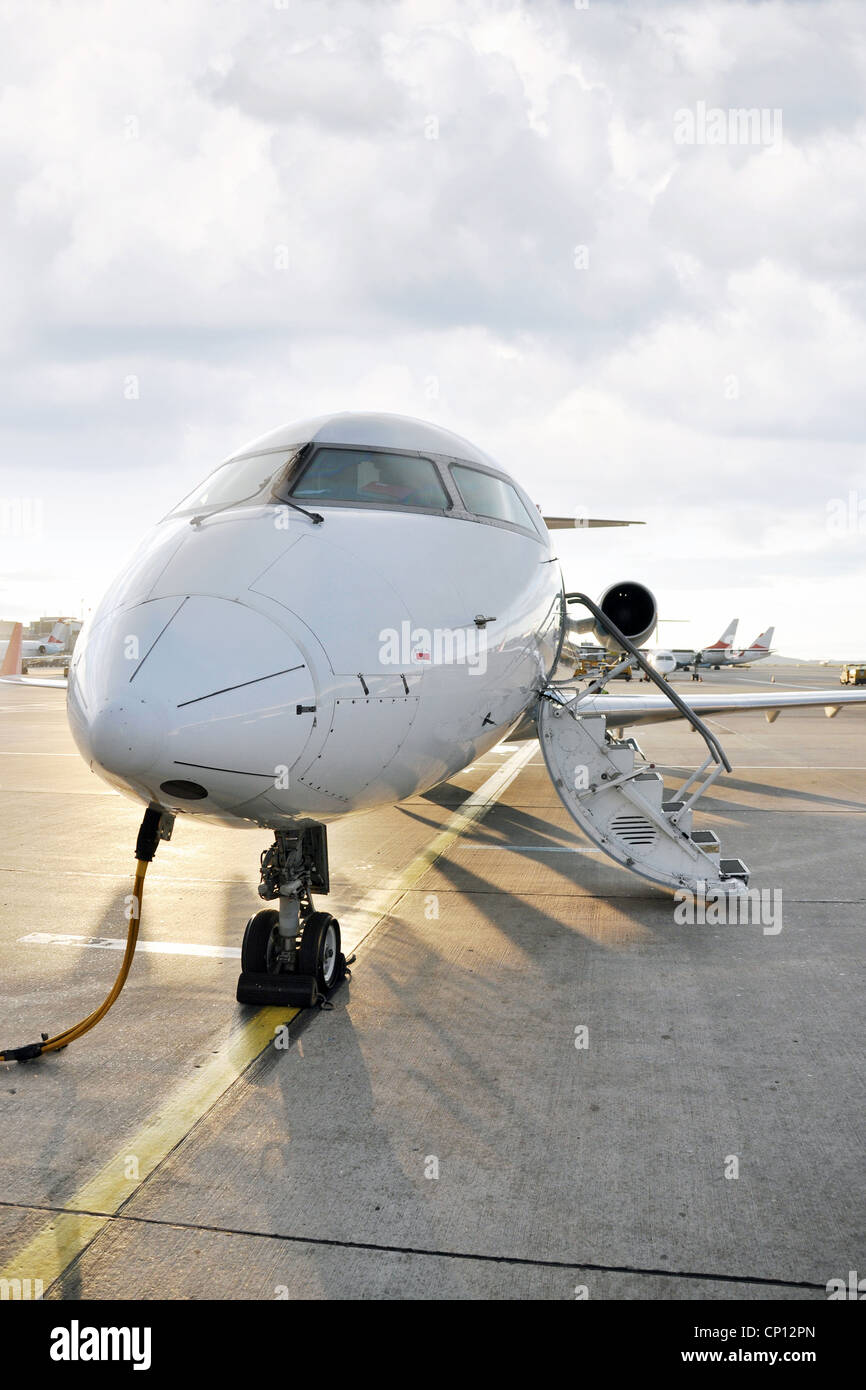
(32, 680)
(622, 710)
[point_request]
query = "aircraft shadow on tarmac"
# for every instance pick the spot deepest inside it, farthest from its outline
(730, 782)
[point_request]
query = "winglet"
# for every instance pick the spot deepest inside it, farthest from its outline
(12, 660)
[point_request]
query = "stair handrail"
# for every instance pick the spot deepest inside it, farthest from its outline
(715, 747)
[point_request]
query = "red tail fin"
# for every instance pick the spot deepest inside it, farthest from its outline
(12, 660)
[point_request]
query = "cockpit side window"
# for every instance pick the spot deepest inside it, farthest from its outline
(372, 477)
(238, 480)
(489, 496)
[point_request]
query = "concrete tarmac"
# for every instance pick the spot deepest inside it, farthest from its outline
(537, 1084)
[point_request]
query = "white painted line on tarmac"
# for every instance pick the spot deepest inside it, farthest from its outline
(163, 880)
(26, 709)
(116, 943)
(60, 791)
(472, 766)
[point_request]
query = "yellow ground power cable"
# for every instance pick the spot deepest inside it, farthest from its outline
(148, 838)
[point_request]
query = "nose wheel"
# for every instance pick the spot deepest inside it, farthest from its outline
(292, 956)
(261, 946)
(319, 951)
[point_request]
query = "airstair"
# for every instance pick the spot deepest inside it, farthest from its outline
(618, 798)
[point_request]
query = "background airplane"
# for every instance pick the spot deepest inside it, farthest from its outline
(760, 648)
(717, 652)
(10, 667)
(713, 656)
(52, 645)
(723, 653)
(666, 660)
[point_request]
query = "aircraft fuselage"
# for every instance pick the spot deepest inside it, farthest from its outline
(254, 667)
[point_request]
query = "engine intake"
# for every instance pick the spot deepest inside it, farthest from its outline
(632, 608)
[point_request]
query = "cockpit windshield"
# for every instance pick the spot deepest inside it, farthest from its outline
(239, 480)
(371, 476)
(489, 496)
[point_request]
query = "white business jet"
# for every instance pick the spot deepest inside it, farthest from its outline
(349, 611)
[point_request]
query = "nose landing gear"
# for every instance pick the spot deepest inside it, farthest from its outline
(292, 956)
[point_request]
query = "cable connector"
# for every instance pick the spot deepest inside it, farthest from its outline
(22, 1054)
(157, 825)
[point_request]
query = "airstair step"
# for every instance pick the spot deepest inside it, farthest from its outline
(684, 818)
(734, 868)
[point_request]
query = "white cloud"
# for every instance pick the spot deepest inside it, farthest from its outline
(260, 212)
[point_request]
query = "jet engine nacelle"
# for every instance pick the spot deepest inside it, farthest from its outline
(632, 608)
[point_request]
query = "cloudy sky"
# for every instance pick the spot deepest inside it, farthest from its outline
(542, 225)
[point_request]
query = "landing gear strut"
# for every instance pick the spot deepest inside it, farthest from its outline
(292, 955)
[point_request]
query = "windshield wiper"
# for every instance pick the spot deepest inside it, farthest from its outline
(196, 521)
(289, 478)
(314, 516)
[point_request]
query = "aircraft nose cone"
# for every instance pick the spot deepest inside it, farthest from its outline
(196, 702)
(128, 736)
